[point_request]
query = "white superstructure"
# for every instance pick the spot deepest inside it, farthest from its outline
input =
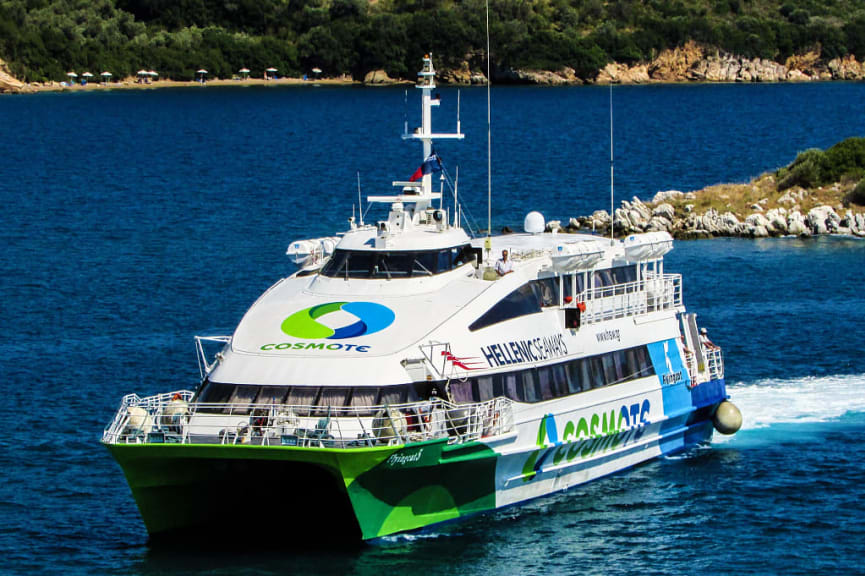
(571, 359)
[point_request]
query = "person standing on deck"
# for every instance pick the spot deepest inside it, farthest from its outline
(503, 265)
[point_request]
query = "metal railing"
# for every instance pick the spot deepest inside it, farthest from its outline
(174, 418)
(204, 367)
(712, 370)
(715, 362)
(651, 294)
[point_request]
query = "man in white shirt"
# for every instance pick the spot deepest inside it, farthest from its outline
(503, 265)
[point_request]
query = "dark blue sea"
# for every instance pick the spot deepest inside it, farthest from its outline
(131, 221)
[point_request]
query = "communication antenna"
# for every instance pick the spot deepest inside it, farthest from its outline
(457, 219)
(359, 201)
(488, 244)
(405, 113)
(612, 211)
(458, 111)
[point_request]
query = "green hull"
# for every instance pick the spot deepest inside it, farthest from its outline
(275, 493)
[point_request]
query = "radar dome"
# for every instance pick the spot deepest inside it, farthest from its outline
(534, 223)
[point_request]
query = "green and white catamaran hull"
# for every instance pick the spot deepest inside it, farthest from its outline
(402, 377)
(420, 464)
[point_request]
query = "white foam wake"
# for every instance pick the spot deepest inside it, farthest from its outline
(809, 399)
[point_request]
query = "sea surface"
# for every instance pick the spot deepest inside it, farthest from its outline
(131, 221)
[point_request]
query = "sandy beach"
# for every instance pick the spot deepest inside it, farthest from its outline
(133, 84)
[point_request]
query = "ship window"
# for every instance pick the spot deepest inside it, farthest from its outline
(272, 395)
(548, 288)
(572, 373)
(444, 260)
(545, 383)
(566, 378)
(620, 365)
(461, 391)
(334, 397)
(214, 392)
(512, 387)
(646, 368)
(364, 396)
(302, 395)
(395, 264)
(240, 400)
(523, 301)
(529, 389)
(597, 366)
(560, 380)
(485, 388)
(391, 395)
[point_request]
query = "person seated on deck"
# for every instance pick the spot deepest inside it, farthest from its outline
(503, 265)
(704, 340)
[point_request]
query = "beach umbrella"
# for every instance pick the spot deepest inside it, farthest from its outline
(152, 73)
(72, 74)
(106, 74)
(142, 72)
(244, 70)
(316, 70)
(87, 75)
(202, 71)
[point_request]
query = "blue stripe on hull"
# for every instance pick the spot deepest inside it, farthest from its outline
(709, 393)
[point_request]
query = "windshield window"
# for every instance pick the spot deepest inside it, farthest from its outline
(394, 264)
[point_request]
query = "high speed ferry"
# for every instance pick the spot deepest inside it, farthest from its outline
(408, 374)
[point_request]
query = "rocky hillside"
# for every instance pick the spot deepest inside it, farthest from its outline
(774, 204)
(8, 83)
(689, 63)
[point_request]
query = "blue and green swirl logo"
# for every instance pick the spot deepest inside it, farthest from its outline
(371, 318)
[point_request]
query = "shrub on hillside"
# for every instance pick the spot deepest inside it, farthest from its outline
(806, 170)
(845, 159)
(857, 194)
(814, 167)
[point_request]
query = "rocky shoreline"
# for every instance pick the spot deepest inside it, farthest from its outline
(691, 62)
(688, 63)
(675, 212)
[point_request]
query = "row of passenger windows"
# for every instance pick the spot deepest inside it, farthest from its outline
(548, 382)
(537, 294)
(529, 385)
(397, 264)
(249, 396)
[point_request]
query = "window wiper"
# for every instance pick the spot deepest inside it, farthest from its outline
(428, 273)
(386, 270)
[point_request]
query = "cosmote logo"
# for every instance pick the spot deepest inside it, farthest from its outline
(334, 321)
(370, 318)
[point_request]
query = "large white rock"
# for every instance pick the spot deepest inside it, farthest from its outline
(601, 217)
(823, 219)
(796, 224)
(667, 195)
(757, 220)
(658, 224)
(777, 218)
(760, 232)
(664, 211)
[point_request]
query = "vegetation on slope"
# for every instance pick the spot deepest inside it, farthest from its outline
(832, 177)
(43, 39)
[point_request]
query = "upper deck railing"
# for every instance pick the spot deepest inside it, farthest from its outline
(174, 418)
(712, 370)
(654, 293)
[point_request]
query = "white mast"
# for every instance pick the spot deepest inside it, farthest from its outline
(612, 210)
(426, 83)
(488, 244)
